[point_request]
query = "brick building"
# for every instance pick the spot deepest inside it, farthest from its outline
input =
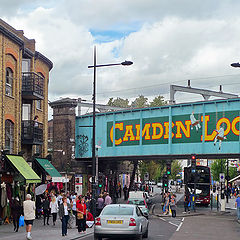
(24, 94)
(63, 133)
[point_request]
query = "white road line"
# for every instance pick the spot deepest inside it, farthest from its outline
(179, 226)
(174, 224)
(163, 219)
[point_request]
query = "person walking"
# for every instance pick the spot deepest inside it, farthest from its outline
(46, 210)
(237, 205)
(81, 215)
(64, 210)
(54, 209)
(173, 205)
(125, 190)
(16, 213)
(29, 214)
(74, 206)
(186, 204)
(100, 204)
(108, 200)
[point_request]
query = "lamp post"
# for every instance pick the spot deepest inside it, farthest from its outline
(95, 66)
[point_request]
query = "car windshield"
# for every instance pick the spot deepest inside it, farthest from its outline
(136, 202)
(121, 210)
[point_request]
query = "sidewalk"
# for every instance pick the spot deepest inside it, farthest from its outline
(208, 227)
(157, 209)
(40, 232)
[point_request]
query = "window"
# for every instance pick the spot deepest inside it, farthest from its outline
(39, 149)
(26, 112)
(9, 137)
(9, 82)
(38, 104)
(26, 65)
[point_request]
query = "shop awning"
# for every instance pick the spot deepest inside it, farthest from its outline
(24, 169)
(48, 167)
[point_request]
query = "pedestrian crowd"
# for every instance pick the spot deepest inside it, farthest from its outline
(72, 210)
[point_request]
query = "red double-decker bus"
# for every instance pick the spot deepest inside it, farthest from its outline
(203, 183)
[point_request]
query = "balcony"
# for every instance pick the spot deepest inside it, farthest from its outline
(32, 86)
(32, 132)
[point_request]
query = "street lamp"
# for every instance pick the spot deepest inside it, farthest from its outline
(94, 66)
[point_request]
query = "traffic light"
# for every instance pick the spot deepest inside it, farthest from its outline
(165, 181)
(168, 170)
(193, 161)
(100, 180)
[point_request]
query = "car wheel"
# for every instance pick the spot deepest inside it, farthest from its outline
(145, 235)
(139, 237)
(97, 238)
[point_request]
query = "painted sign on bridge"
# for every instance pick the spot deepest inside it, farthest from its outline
(203, 128)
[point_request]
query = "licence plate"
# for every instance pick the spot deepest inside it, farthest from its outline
(115, 221)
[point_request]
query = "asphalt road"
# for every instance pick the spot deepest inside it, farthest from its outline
(158, 228)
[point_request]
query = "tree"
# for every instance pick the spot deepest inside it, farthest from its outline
(216, 169)
(158, 101)
(175, 169)
(140, 102)
(118, 102)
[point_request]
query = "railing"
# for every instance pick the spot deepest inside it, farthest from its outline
(32, 86)
(32, 132)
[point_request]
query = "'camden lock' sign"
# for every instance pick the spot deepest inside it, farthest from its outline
(215, 127)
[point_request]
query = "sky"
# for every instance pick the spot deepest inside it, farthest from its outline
(169, 42)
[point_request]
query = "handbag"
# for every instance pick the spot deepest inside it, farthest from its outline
(21, 221)
(79, 215)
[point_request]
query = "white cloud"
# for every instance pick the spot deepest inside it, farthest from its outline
(170, 43)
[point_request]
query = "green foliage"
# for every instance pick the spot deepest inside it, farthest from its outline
(140, 102)
(158, 101)
(216, 169)
(118, 102)
(175, 170)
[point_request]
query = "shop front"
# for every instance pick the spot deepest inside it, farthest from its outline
(17, 179)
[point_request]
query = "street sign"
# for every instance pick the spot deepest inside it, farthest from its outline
(146, 177)
(221, 177)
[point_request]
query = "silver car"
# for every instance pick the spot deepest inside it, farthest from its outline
(121, 221)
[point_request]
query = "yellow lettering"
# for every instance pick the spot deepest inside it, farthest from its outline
(180, 126)
(166, 135)
(146, 130)
(234, 122)
(129, 133)
(120, 127)
(155, 126)
(137, 126)
(211, 136)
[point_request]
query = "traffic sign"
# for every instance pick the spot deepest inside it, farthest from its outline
(146, 177)
(221, 177)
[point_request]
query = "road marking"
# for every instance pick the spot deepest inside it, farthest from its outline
(162, 219)
(180, 225)
(174, 224)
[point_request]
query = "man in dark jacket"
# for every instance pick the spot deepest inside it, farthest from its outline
(16, 213)
(46, 210)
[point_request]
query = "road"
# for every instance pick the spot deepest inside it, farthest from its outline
(159, 228)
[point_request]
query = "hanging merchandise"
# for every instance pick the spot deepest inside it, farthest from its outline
(3, 195)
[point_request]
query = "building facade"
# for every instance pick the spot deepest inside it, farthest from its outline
(24, 94)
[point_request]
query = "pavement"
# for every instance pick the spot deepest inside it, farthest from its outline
(208, 227)
(41, 232)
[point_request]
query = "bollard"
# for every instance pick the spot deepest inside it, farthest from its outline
(211, 201)
(217, 202)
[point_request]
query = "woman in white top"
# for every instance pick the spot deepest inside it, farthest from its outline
(54, 209)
